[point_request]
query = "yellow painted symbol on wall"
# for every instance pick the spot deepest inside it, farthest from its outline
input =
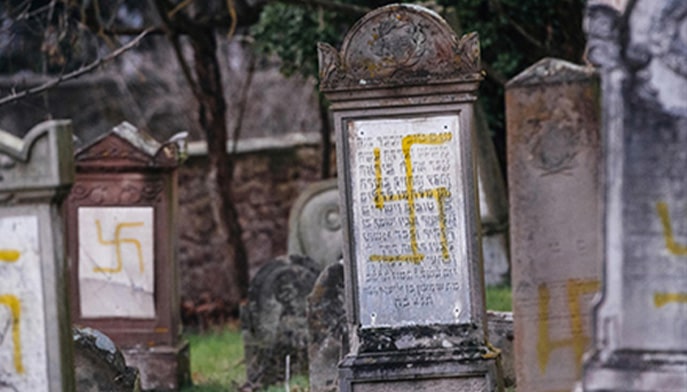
(575, 288)
(14, 306)
(117, 243)
(673, 247)
(9, 255)
(410, 195)
(663, 299)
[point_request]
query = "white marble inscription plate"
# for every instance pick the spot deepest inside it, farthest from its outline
(408, 221)
(23, 357)
(116, 264)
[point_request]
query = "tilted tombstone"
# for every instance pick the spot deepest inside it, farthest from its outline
(554, 167)
(402, 90)
(273, 320)
(35, 331)
(640, 341)
(315, 224)
(122, 235)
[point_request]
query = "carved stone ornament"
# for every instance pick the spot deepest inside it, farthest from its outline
(105, 193)
(126, 147)
(399, 45)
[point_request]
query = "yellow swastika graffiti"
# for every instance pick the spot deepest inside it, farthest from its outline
(575, 288)
(9, 255)
(663, 299)
(14, 305)
(410, 195)
(673, 247)
(117, 243)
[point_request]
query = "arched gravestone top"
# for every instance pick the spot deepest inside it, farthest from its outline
(399, 45)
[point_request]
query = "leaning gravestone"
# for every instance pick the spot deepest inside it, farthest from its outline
(402, 90)
(35, 333)
(121, 216)
(273, 321)
(554, 167)
(640, 341)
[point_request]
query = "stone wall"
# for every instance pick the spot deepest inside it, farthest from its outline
(270, 174)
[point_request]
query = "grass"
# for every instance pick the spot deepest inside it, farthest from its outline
(217, 356)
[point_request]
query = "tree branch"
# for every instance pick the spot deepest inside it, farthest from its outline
(520, 29)
(74, 74)
(329, 5)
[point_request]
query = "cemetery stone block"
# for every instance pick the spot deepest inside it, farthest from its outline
(554, 166)
(402, 89)
(35, 339)
(122, 232)
(640, 342)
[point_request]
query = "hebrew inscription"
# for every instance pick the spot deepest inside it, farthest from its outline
(116, 266)
(408, 220)
(23, 362)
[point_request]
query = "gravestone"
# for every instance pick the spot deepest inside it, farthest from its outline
(327, 332)
(273, 321)
(100, 366)
(35, 332)
(402, 90)
(121, 220)
(640, 340)
(315, 224)
(554, 168)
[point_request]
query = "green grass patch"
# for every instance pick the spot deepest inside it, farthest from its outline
(216, 360)
(499, 298)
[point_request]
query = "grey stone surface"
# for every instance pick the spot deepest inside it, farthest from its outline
(554, 172)
(35, 335)
(402, 91)
(273, 321)
(315, 224)
(100, 366)
(640, 322)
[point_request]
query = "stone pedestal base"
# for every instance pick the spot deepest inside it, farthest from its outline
(432, 370)
(635, 372)
(162, 368)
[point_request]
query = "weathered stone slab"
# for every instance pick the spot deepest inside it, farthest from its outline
(315, 224)
(554, 167)
(122, 240)
(35, 341)
(273, 321)
(640, 342)
(100, 366)
(402, 90)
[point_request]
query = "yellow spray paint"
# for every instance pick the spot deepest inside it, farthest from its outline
(9, 255)
(663, 299)
(575, 289)
(439, 194)
(673, 247)
(14, 306)
(117, 243)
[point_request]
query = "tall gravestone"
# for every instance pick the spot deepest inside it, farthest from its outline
(122, 233)
(402, 90)
(640, 341)
(35, 332)
(554, 168)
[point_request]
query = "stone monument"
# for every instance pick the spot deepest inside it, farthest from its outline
(121, 219)
(35, 331)
(640, 335)
(402, 90)
(554, 169)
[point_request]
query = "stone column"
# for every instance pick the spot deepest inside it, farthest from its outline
(640, 341)
(122, 237)
(554, 168)
(35, 331)
(402, 90)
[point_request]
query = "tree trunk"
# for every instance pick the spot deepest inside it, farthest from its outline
(212, 116)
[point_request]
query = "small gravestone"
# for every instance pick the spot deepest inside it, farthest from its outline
(402, 89)
(35, 340)
(640, 340)
(121, 216)
(315, 224)
(326, 329)
(273, 321)
(554, 167)
(100, 366)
